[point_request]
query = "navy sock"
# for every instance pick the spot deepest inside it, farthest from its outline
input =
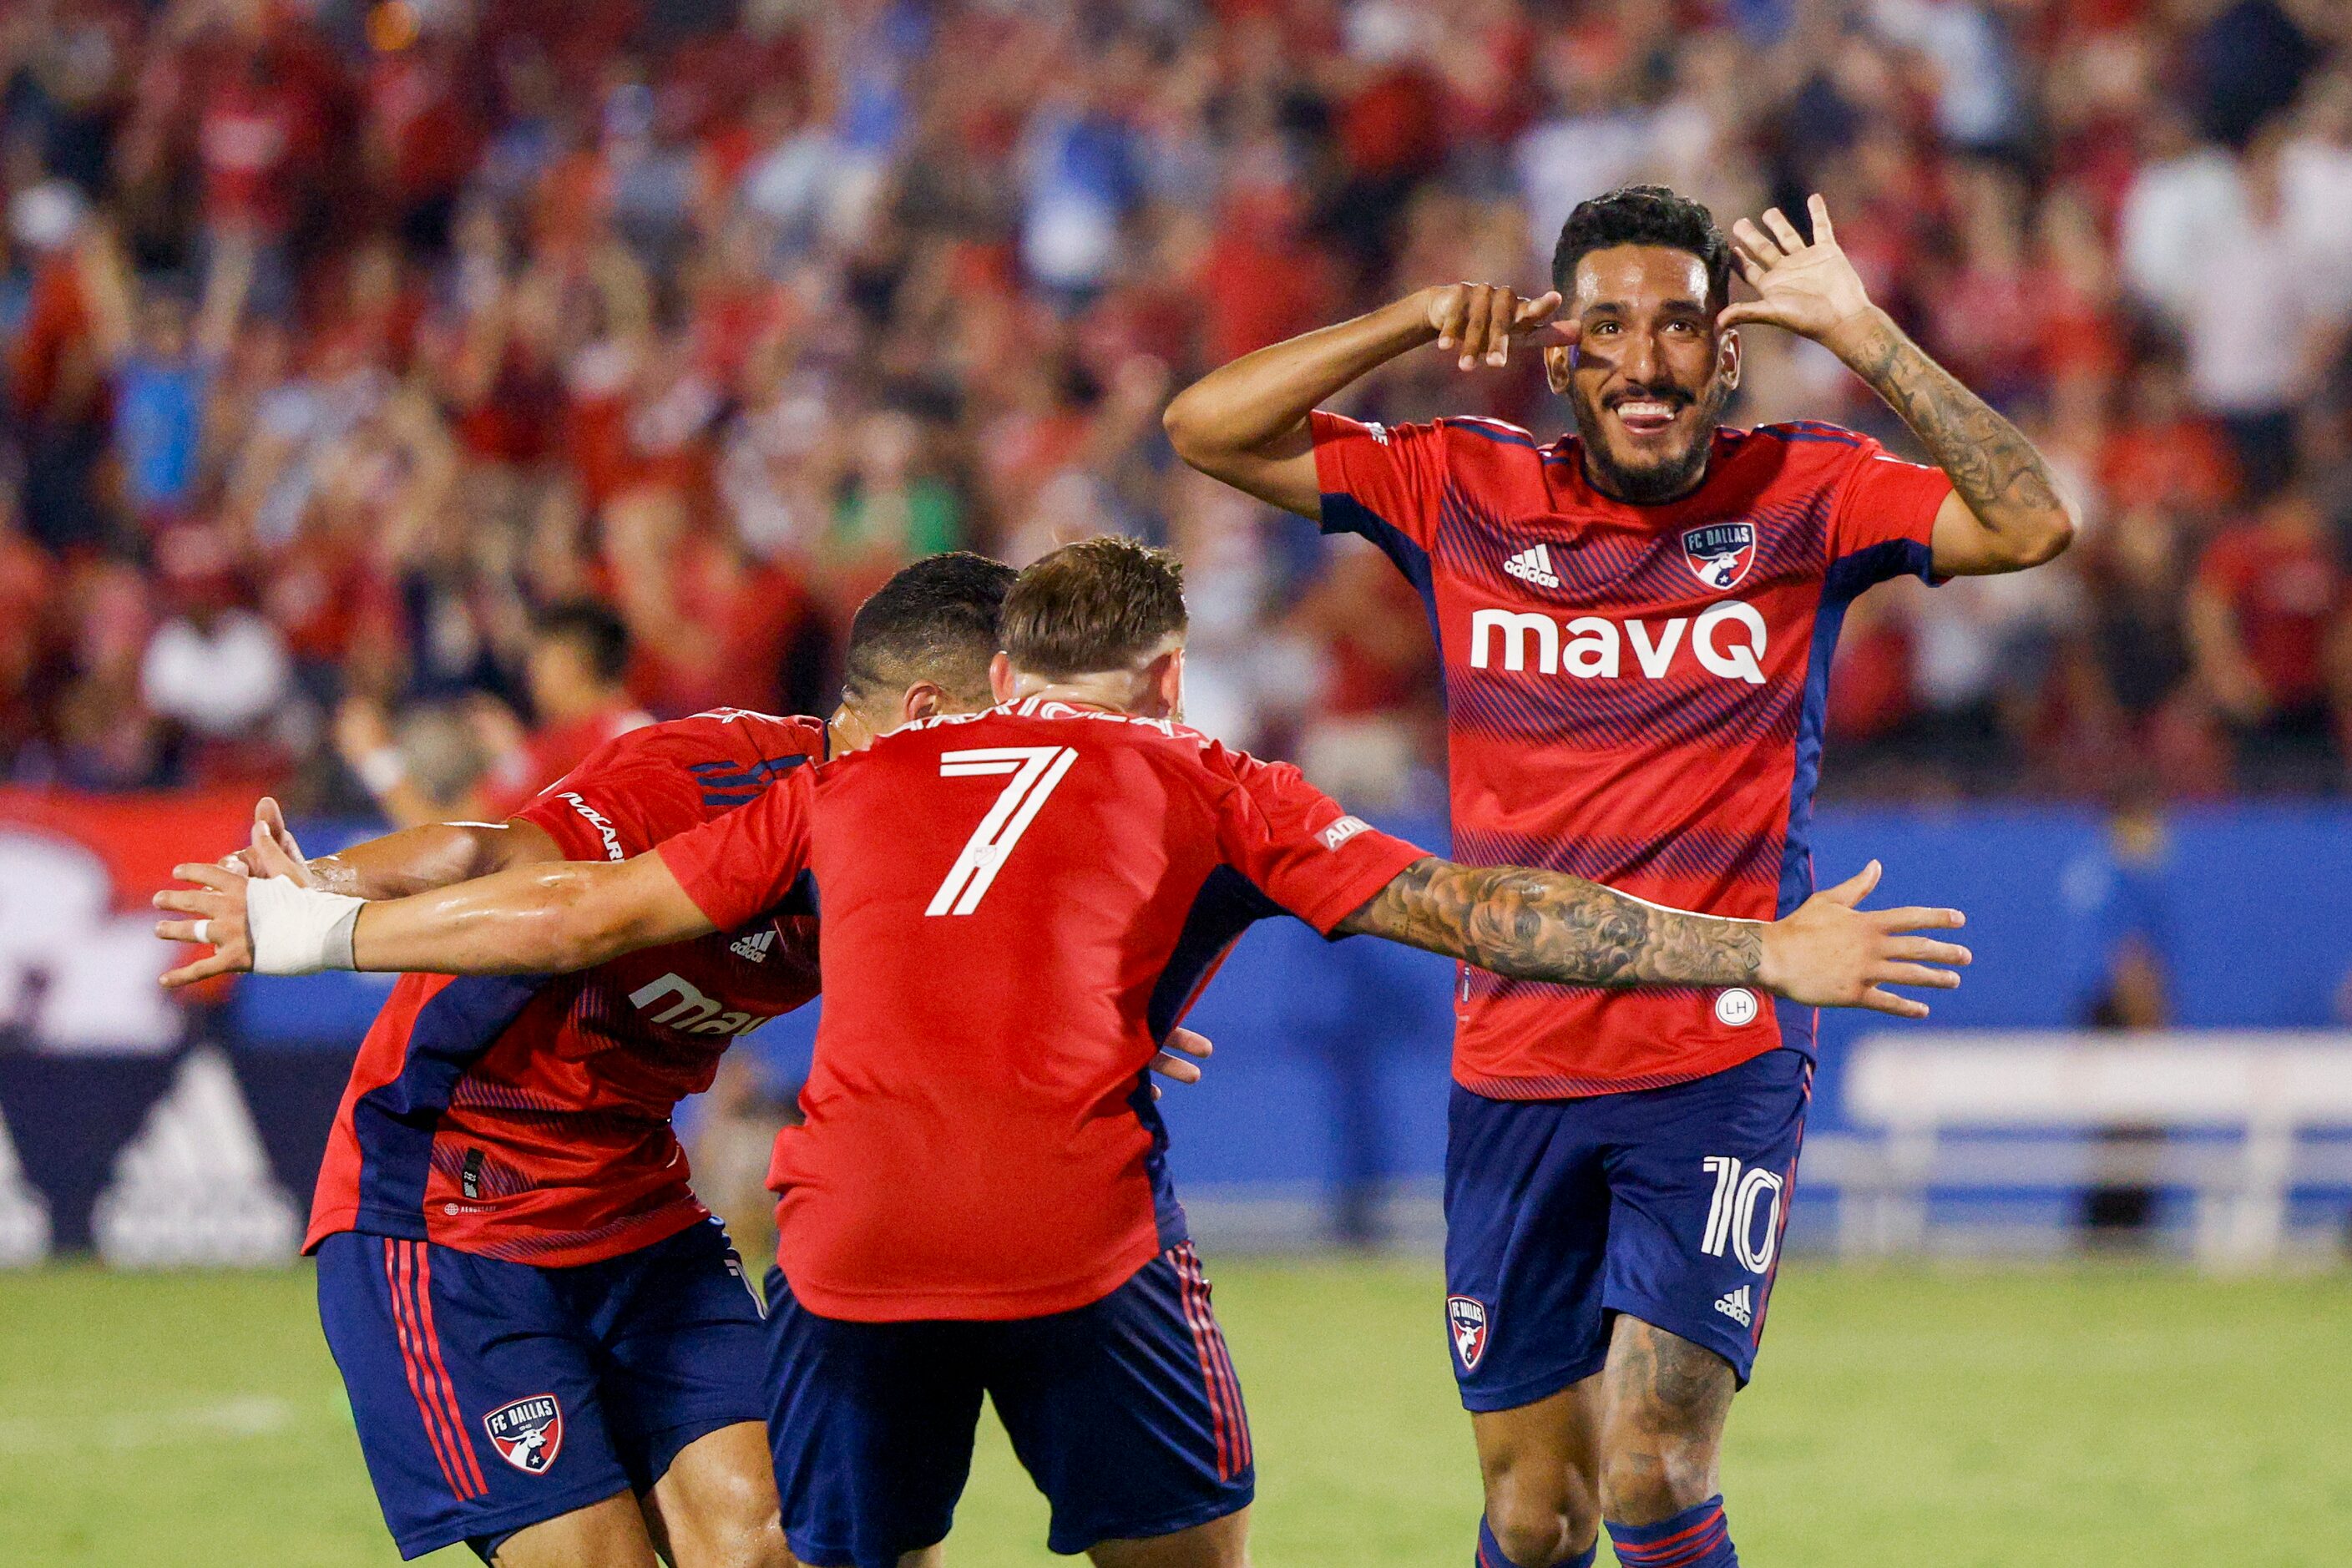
(1695, 1537)
(1490, 1552)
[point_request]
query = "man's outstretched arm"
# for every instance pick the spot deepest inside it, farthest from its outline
(2005, 512)
(396, 863)
(530, 920)
(1541, 925)
(1245, 423)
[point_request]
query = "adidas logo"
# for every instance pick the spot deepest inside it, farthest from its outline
(1737, 1307)
(195, 1185)
(1533, 566)
(754, 945)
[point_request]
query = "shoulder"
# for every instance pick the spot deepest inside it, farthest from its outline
(1800, 455)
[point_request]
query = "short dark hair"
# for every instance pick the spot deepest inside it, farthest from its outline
(595, 627)
(1099, 604)
(1644, 215)
(934, 620)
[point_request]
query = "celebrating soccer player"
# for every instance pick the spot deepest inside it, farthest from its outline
(1636, 624)
(550, 1350)
(1018, 906)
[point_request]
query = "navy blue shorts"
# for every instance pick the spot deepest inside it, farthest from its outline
(1666, 1203)
(1126, 1413)
(492, 1395)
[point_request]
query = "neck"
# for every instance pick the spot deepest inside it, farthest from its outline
(1118, 690)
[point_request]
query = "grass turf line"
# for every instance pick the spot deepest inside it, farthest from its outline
(1927, 1418)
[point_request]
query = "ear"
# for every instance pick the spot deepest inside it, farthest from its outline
(1166, 676)
(1000, 678)
(1559, 360)
(923, 699)
(1727, 358)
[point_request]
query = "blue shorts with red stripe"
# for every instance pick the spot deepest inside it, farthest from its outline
(1665, 1204)
(1126, 1413)
(493, 1396)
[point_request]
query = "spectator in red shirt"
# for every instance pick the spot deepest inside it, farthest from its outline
(2268, 629)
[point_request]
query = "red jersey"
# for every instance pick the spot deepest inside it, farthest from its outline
(1634, 695)
(1019, 906)
(527, 1116)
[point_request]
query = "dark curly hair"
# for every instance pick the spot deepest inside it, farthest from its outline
(1644, 215)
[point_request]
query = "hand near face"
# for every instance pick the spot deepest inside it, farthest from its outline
(1811, 290)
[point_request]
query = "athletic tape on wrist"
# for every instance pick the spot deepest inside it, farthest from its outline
(296, 930)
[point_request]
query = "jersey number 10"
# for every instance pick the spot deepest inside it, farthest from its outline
(1035, 771)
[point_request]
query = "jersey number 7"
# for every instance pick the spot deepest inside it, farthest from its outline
(1035, 771)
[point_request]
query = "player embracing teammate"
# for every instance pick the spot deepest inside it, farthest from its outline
(1636, 624)
(1017, 908)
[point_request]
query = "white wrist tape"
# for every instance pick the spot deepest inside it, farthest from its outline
(296, 930)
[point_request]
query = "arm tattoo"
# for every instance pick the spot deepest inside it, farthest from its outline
(1541, 925)
(1998, 475)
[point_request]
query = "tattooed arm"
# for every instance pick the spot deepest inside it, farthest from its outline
(2005, 512)
(1541, 925)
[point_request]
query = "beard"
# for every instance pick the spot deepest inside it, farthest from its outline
(1659, 479)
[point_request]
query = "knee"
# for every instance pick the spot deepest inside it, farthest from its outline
(1539, 1519)
(1656, 1477)
(749, 1537)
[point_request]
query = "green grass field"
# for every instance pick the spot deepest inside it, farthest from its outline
(1916, 1416)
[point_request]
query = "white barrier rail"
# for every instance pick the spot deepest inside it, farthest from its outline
(1947, 1107)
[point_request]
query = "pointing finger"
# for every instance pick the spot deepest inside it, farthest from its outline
(1533, 313)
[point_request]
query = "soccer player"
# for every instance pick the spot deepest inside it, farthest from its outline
(1018, 906)
(551, 1352)
(1636, 623)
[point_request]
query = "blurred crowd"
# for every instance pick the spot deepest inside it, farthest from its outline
(399, 394)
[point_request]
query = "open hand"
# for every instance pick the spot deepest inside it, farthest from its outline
(1481, 320)
(215, 901)
(1828, 952)
(1810, 289)
(1172, 1062)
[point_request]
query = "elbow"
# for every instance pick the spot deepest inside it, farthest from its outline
(1181, 422)
(2056, 536)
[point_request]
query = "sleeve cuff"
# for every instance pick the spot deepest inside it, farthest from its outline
(1383, 857)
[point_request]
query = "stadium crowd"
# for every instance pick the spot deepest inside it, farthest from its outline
(355, 353)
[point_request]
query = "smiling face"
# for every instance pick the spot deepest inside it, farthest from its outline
(1650, 375)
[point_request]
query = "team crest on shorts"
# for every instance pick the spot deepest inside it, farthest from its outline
(1721, 553)
(1467, 1319)
(528, 1433)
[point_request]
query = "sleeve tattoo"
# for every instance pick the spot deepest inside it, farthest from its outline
(1541, 925)
(1998, 473)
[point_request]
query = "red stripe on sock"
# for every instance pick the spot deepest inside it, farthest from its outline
(393, 1268)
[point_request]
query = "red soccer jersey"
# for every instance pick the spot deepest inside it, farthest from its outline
(1634, 695)
(527, 1116)
(1019, 905)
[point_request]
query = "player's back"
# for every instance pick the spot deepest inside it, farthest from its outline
(527, 1116)
(1018, 906)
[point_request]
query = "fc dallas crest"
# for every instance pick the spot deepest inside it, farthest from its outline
(528, 1433)
(1721, 553)
(1467, 1319)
